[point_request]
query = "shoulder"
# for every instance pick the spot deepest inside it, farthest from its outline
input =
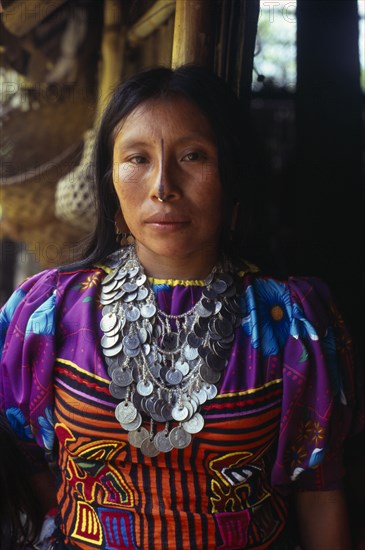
(274, 310)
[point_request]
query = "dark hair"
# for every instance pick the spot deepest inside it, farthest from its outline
(20, 512)
(224, 112)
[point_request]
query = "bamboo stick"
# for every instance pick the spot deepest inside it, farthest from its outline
(112, 48)
(150, 21)
(192, 32)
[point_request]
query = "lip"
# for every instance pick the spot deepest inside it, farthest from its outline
(166, 219)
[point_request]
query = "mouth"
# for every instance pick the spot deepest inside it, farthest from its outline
(165, 219)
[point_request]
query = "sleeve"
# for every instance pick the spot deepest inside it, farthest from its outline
(27, 348)
(318, 392)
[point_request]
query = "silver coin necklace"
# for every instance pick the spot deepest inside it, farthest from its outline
(162, 366)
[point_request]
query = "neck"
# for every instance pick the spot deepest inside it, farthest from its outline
(184, 267)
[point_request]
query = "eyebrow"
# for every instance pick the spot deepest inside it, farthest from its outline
(131, 142)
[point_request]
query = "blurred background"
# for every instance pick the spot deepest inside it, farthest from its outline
(299, 69)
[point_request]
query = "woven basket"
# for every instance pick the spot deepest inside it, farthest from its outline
(27, 198)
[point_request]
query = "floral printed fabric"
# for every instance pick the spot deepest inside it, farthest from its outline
(290, 331)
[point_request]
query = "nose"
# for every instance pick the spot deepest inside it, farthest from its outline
(166, 181)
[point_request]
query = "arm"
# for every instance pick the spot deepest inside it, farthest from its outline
(322, 520)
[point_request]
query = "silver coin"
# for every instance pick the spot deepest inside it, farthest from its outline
(125, 412)
(162, 442)
(130, 287)
(109, 278)
(109, 341)
(179, 413)
(157, 417)
(119, 295)
(150, 403)
(146, 349)
(129, 352)
(155, 370)
(148, 448)
(202, 311)
(201, 395)
(187, 403)
(223, 327)
(209, 375)
(148, 310)
(209, 279)
(218, 307)
(108, 322)
(135, 424)
(141, 279)
(219, 286)
(137, 400)
(215, 362)
(208, 304)
(117, 391)
(183, 367)
(227, 278)
(110, 286)
(194, 340)
(122, 377)
(120, 324)
(142, 335)
(194, 403)
(157, 331)
(121, 274)
(142, 293)
(136, 437)
(131, 341)
(106, 299)
(166, 411)
(170, 341)
(211, 390)
(130, 297)
(194, 425)
(209, 293)
(179, 437)
(133, 271)
(111, 352)
(132, 313)
(190, 353)
(107, 309)
(173, 377)
(145, 387)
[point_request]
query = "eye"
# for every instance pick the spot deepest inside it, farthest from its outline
(193, 155)
(138, 159)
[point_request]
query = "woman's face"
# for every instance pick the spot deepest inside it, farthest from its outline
(165, 173)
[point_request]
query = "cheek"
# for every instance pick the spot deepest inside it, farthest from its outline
(124, 175)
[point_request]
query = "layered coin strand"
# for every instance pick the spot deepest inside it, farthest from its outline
(164, 367)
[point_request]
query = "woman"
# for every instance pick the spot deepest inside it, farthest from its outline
(188, 396)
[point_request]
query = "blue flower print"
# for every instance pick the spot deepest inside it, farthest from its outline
(7, 313)
(316, 458)
(300, 326)
(42, 320)
(17, 421)
(47, 428)
(268, 316)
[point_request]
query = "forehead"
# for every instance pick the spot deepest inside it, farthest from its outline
(159, 118)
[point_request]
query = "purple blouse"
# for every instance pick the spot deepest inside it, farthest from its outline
(284, 407)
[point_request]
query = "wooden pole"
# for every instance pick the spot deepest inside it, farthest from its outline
(192, 33)
(112, 47)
